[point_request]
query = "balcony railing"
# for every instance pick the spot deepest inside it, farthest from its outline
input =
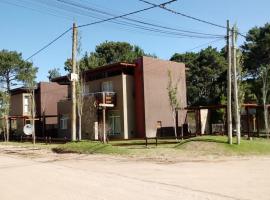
(104, 98)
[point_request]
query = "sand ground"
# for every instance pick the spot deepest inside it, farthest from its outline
(32, 173)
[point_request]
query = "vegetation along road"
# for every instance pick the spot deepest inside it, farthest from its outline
(38, 173)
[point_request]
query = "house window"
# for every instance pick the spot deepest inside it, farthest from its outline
(64, 122)
(107, 86)
(114, 123)
(26, 104)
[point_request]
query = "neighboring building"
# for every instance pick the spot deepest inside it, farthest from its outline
(138, 92)
(46, 97)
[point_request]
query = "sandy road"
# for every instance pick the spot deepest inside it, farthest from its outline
(44, 175)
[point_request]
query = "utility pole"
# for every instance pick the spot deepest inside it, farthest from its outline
(104, 124)
(33, 115)
(235, 87)
(229, 86)
(73, 82)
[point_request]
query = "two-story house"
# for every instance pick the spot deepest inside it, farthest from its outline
(137, 96)
(46, 97)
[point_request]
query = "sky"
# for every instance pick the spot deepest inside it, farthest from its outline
(28, 25)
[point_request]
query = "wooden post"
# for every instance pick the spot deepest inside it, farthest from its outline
(200, 123)
(229, 86)
(43, 124)
(235, 87)
(73, 83)
(248, 130)
(104, 123)
(226, 121)
(257, 122)
(176, 121)
(33, 116)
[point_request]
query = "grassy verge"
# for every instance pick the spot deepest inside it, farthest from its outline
(89, 147)
(217, 145)
(198, 146)
(29, 144)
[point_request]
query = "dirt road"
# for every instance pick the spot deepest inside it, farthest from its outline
(39, 174)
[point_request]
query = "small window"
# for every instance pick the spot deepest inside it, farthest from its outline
(64, 122)
(107, 86)
(26, 104)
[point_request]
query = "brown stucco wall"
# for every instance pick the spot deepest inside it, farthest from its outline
(16, 104)
(139, 99)
(95, 86)
(91, 114)
(50, 94)
(130, 95)
(156, 100)
(64, 108)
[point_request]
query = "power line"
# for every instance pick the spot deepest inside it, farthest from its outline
(50, 43)
(127, 14)
(97, 22)
(182, 14)
(211, 42)
(146, 28)
(35, 10)
(190, 17)
(133, 20)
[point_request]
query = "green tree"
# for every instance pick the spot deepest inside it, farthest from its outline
(256, 50)
(172, 89)
(107, 53)
(4, 113)
(53, 73)
(206, 75)
(12, 68)
(265, 86)
(28, 77)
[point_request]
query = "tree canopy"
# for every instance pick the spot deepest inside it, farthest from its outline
(13, 69)
(53, 73)
(206, 75)
(107, 53)
(256, 49)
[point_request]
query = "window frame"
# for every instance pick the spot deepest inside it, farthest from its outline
(26, 106)
(64, 122)
(107, 86)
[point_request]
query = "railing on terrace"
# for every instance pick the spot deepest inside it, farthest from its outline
(103, 97)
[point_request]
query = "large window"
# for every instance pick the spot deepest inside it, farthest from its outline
(64, 122)
(26, 104)
(115, 123)
(107, 86)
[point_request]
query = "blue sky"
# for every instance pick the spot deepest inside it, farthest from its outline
(27, 25)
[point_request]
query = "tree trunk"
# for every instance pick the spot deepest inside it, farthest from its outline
(80, 127)
(7, 128)
(175, 128)
(265, 112)
(104, 125)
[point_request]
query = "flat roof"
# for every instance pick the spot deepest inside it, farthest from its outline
(20, 90)
(105, 68)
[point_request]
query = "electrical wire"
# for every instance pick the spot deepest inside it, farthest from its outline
(36, 10)
(97, 22)
(190, 17)
(50, 43)
(134, 20)
(127, 14)
(184, 15)
(202, 45)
